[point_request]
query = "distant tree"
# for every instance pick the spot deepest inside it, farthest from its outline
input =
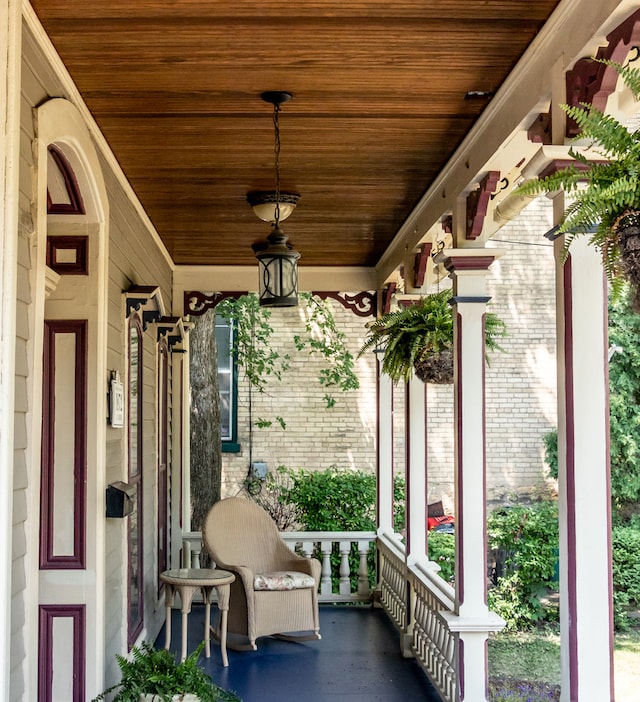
(206, 448)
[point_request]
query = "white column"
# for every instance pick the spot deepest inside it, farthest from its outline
(471, 620)
(385, 452)
(583, 474)
(10, 26)
(416, 452)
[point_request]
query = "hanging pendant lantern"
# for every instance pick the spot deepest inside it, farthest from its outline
(277, 261)
(278, 270)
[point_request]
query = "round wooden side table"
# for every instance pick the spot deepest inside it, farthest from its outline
(186, 582)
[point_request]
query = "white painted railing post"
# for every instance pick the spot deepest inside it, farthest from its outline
(385, 452)
(345, 571)
(195, 556)
(416, 413)
(325, 580)
(363, 570)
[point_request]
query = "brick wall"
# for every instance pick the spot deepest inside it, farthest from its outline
(521, 389)
(315, 437)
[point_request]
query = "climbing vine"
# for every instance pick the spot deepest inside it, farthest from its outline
(324, 337)
(259, 361)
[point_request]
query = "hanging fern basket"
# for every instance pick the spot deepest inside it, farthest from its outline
(435, 368)
(628, 230)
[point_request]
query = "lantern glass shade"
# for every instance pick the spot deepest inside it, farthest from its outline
(278, 273)
(263, 203)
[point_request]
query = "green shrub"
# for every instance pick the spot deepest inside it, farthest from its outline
(550, 441)
(624, 411)
(334, 499)
(625, 543)
(442, 550)
(526, 539)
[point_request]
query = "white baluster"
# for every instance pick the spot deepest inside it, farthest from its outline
(325, 580)
(307, 549)
(363, 572)
(196, 550)
(345, 585)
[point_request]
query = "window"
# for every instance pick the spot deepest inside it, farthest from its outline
(227, 383)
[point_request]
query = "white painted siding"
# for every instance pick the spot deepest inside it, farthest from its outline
(134, 259)
(22, 614)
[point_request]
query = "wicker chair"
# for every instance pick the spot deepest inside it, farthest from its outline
(275, 591)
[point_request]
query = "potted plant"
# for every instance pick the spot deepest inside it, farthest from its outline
(152, 675)
(420, 338)
(605, 195)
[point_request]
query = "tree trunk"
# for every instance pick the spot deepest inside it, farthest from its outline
(206, 452)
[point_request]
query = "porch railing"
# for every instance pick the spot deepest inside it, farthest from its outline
(321, 544)
(418, 601)
(415, 597)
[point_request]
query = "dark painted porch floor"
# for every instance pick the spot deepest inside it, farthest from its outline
(357, 660)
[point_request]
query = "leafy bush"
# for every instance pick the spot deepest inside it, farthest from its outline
(526, 542)
(626, 573)
(333, 499)
(442, 550)
(624, 410)
(624, 396)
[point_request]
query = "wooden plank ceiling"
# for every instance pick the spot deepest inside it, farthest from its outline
(379, 106)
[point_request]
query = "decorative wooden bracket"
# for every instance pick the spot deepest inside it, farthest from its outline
(175, 329)
(196, 303)
(386, 297)
(362, 304)
(540, 131)
(420, 265)
(145, 299)
(592, 83)
(478, 202)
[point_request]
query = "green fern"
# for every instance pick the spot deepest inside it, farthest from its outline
(155, 672)
(412, 333)
(601, 191)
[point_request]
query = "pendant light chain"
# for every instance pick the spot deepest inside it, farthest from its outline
(276, 110)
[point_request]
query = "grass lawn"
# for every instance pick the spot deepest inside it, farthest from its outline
(525, 666)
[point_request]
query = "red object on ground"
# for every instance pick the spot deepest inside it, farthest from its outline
(433, 522)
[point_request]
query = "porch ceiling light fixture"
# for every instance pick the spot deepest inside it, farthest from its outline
(277, 260)
(263, 204)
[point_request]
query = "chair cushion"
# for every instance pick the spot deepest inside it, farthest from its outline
(283, 580)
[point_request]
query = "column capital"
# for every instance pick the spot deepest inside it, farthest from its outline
(468, 259)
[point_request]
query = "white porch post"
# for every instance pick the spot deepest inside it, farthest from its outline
(385, 451)
(583, 472)
(10, 34)
(416, 451)
(473, 622)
